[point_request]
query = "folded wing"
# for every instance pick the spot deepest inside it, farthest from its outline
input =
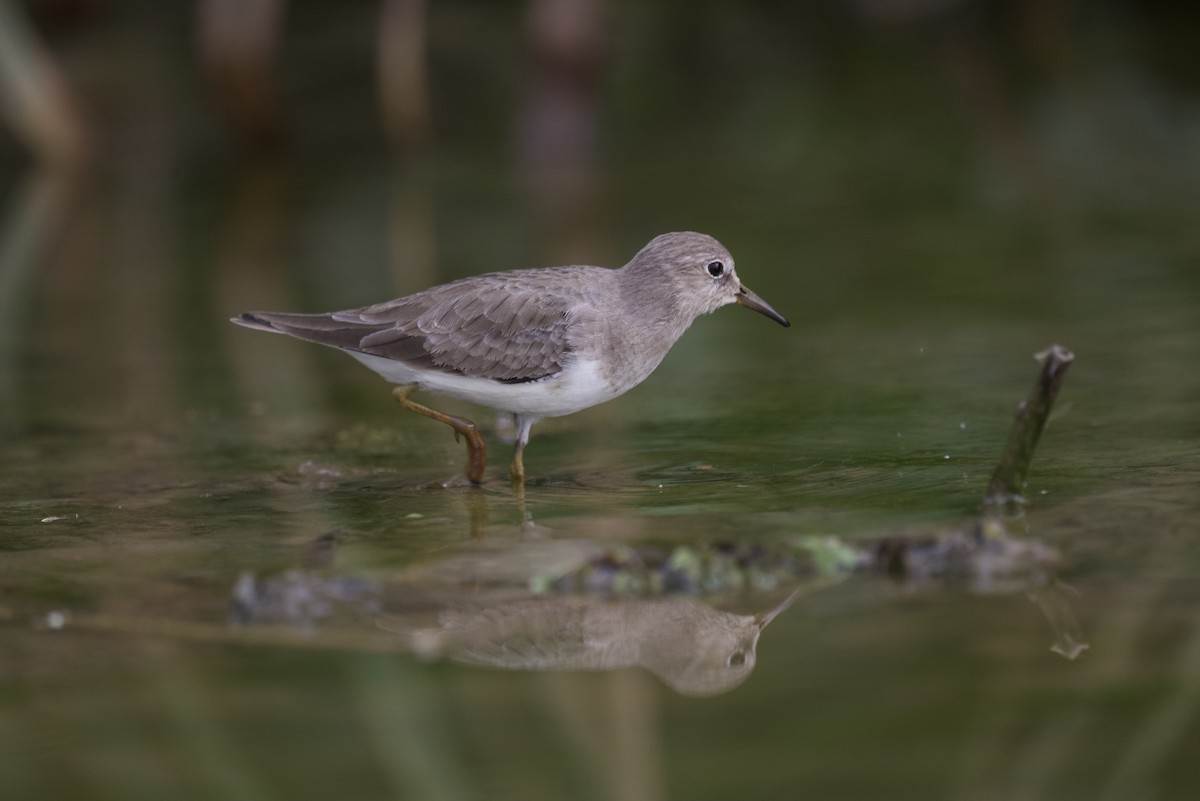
(493, 326)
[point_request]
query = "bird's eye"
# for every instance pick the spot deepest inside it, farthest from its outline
(715, 268)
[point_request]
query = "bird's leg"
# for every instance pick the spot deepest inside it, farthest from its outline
(476, 448)
(517, 467)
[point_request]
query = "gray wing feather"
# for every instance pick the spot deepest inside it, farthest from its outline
(501, 326)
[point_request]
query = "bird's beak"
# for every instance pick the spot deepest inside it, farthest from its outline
(763, 618)
(751, 301)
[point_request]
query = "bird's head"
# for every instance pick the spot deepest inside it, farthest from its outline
(701, 271)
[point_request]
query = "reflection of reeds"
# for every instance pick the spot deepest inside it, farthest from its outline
(402, 76)
(239, 44)
(558, 126)
(238, 41)
(35, 96)
(29, 229)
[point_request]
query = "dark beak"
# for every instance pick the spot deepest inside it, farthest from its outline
(763, 618)
(751, 301)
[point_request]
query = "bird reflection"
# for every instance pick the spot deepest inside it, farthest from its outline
(695, 649)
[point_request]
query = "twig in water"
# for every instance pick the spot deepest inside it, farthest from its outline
(1008, 482)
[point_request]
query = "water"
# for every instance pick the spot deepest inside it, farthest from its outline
(225, 571)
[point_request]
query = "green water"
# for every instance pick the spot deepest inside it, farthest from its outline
(926, 216)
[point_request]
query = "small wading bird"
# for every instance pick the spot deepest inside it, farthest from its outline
(532, 343)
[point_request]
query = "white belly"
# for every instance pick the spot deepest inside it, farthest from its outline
(577, 387)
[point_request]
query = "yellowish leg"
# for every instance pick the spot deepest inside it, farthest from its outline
(517, 467)
(476, 448)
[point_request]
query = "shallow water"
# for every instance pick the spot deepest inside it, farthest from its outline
(229, 569)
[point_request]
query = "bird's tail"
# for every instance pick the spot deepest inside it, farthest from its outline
(258, 320)
(324, 329)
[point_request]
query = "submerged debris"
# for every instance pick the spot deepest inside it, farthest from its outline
(980, 556)
(298, 597)
(700, 569)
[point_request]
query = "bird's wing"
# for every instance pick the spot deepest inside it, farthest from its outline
(504, 326)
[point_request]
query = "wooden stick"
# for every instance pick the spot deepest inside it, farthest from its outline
(1008, 482)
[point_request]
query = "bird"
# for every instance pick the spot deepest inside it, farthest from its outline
(532, 343)
(695, 649)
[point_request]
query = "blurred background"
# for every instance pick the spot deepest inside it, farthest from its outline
(167, 165)
(931, 190)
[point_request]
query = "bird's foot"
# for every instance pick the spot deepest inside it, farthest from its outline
(476, 447)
